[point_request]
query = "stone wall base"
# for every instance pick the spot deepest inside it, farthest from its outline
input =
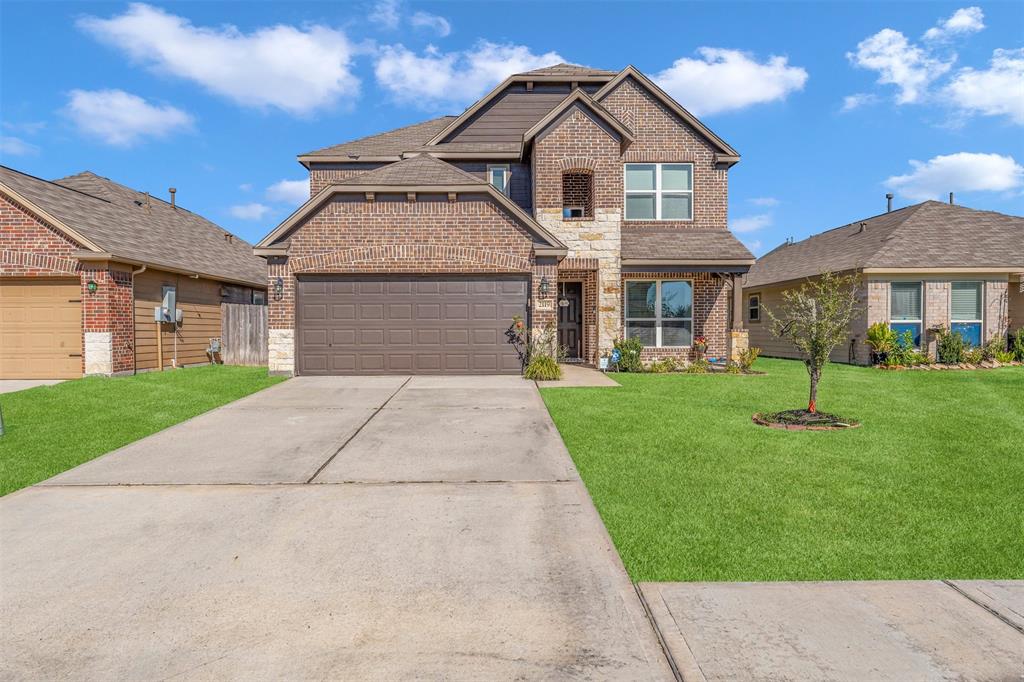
(281, 346)
(99, 353)
(739, 341)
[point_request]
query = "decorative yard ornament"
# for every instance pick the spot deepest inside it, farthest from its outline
(816, 318)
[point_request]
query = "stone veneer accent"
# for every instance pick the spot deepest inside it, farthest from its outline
(281, 346)
(99, 353)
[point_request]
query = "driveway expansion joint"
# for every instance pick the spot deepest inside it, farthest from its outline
(988, 608)
(356, 432)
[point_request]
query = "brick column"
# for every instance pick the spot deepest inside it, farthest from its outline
(108, 320)
(280, 317)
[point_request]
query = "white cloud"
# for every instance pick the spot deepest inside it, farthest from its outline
(245, 187)
(295, 70)
(15, 146)
(433, 22)
(27, 128)
(122, 119)
(385, 14)
(963, 21)
(764, 201)
(455, 78)
(751, 223)
(997, 91)
(726, 80)
(754, 245)
(855, 101)
(251, 211)
(294, 192)
(899, 62)
(961, 172)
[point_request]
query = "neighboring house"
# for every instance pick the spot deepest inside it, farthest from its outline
(83, 263)
(923, 266)
(569, 196)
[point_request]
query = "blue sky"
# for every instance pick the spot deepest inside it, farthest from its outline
(830, 104)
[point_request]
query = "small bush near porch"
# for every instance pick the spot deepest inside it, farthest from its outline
(691, 490)
(51, 429)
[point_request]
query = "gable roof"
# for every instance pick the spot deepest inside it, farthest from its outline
(564, 69)
(389, 144)
(422, 173)
(726, 153)
(582, 98)
(112, 220)
(923, 236)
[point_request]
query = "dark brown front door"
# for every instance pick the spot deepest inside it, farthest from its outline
(570, 319)
(445, 324)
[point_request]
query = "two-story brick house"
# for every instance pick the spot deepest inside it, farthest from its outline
(570, 196)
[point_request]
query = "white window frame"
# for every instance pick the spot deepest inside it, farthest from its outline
(508, 176)
(259, 297)
(657, 319)
(920, 285)
(980, 323)
(658, 192)
(754, 304)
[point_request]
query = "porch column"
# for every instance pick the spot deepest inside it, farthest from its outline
(737, 302)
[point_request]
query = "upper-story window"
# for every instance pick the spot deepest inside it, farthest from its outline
(500, 176)
(659, 191)
(577, 195)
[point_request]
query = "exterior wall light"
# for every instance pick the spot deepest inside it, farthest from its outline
(91, 286)
(545, 286)
(278, 288)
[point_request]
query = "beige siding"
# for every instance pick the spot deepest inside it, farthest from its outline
(199, 301)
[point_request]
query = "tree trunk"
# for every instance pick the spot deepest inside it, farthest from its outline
(812, 404)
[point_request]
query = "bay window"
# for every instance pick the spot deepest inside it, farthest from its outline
(965, 311)
(905, 309)
(660, 312)
(659, 191)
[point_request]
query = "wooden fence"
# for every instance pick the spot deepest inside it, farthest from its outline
(244, 334)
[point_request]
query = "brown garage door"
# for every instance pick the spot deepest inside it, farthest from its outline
(40, 329)
(408, 325)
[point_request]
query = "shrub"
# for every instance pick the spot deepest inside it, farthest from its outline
(629, 355)
(881, 338)
(997, 344)
(951, 347)
(1018, 345)
(1005, 356)
(902, 352)
(543, 367)
(973, 356)
(662, 366)
(747, 358)
(733, 368)
(698, 366)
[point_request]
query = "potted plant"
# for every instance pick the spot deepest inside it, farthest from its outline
(700, 345)
(882, 340)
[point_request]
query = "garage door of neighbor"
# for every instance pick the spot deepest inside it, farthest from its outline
(40, 329)
(408, 325)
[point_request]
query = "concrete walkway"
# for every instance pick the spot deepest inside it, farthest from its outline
(12, 385)
(358, 528)
(577, 376)
(842, 631)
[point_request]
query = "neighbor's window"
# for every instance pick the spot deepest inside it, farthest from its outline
(577, 195)
(754, 308)
(660, 312)
(965, 311)
(499, 176)
(259, 297)
(659, 191)
(905, 309)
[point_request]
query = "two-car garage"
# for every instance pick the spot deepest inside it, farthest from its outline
(413, 324)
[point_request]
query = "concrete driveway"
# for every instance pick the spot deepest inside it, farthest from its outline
(361, 528)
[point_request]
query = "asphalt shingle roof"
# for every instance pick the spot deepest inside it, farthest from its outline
(681, 244)
(931, 234)
(388, 143)
(116, 219)
(418, 170)
(564, 69)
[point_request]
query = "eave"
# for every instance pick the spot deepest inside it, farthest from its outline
(106, 256)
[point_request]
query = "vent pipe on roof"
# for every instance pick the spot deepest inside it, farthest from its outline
(863, 227)
(172, 191)
(950, 198)
(888, 202)
(148, 205)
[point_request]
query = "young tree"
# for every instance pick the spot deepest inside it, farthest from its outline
(816, 318)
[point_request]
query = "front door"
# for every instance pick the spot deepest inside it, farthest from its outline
(570, 319)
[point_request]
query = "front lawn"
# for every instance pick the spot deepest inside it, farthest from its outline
(931, 486)
(53, 428)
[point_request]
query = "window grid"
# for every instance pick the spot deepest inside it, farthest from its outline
(658, 192)
(754, 308)
(657, 319)
(502, 170)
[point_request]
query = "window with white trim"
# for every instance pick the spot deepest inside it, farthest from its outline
(659, 191)
(660, 312)
(259, 297)
(965, 311)
(905, 309)
(754, 308)
(500, 176)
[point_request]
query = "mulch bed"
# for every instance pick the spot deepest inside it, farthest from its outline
(802, 420)
(936, 366)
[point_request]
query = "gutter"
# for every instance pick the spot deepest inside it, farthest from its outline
(93, 256)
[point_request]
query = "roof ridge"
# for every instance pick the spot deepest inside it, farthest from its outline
(56, 183)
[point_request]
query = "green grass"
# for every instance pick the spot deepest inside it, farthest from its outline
(931, 486)
(50, 429)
